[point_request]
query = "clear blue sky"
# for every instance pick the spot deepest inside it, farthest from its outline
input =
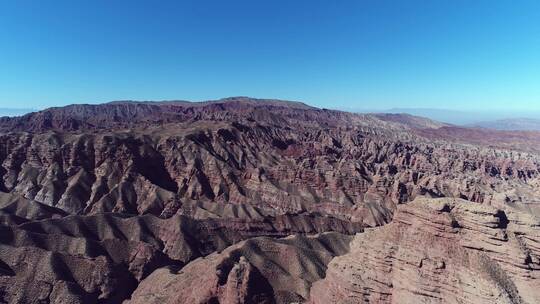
(349, 54)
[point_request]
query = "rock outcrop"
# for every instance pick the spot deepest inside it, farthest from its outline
(103, 257)
(259, 270)
(440, 251)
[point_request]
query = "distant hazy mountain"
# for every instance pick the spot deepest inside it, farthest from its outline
(466, 117)
(510, 124)
(447, 116)
(14, 111)
(412, 120)
(473, 118)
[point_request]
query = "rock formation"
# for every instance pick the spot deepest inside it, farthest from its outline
(439, 251)
(132, 201)
(259, 270)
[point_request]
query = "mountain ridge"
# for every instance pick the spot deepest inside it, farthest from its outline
(131, 202)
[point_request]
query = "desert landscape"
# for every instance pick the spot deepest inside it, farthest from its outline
(269, 152)
(243, 200)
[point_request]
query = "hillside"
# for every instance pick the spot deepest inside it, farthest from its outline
(145, 195)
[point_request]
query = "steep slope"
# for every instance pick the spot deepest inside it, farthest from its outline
(260, 270)
(439, 251)
(102, 258)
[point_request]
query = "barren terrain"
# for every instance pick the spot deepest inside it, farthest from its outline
(242, 200)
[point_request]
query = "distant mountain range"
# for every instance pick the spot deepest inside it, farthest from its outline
(14, 111)
(467, 118)
(496, 120)
(447, 116)
(510, 124)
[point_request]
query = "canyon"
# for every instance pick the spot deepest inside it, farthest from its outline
(244, 200)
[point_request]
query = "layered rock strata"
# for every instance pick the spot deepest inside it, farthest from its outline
(439, 251)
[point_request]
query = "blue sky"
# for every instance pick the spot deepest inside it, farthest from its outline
(463, 55)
